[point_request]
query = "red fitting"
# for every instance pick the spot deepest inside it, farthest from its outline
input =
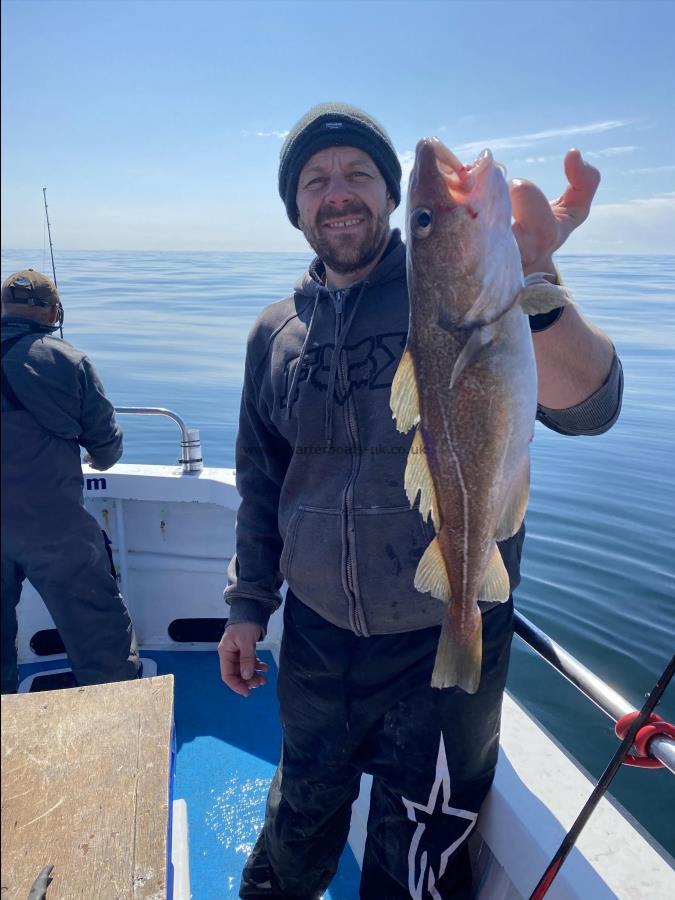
(654, 727)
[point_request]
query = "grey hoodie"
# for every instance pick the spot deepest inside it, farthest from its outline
(320, 464)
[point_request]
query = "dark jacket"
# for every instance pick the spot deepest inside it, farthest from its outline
(58, 405)
(320, 463)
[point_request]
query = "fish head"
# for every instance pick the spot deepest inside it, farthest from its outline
(459, 229)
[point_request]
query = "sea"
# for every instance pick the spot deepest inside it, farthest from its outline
(169, 330)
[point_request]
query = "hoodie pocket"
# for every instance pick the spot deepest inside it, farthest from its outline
(311, 561)
(389, 545)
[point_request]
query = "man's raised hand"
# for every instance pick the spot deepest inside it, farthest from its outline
(540, 227)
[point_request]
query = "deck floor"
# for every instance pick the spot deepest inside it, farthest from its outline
(227, 751)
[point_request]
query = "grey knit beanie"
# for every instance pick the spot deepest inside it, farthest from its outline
(335, 125)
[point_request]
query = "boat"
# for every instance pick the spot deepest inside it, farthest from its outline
(172, 533)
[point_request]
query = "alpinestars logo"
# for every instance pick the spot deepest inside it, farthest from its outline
(427, 864)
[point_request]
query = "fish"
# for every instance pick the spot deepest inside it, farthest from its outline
(467, 384)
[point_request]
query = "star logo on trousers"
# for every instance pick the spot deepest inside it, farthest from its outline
(429, 865)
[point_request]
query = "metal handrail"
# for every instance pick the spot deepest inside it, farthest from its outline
(191, 459)
(604, 697)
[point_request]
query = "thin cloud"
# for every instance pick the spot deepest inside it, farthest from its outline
(529, 140)
(606, 153)
(610, 151)
(281, 135)
(536, 160)
(523, 141)
(665, 201)
(650, 169)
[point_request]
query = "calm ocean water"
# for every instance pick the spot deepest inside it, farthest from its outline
(169, 329)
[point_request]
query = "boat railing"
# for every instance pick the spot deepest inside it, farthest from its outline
(605, 698)
(191, 459)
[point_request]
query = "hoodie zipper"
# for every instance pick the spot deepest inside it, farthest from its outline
(348, 507)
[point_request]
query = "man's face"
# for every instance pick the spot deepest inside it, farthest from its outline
(344, 208)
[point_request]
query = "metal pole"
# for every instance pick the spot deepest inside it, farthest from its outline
(604, 697)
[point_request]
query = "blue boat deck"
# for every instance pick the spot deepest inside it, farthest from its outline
(227, 748)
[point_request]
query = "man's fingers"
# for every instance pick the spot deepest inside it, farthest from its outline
(583, 180)
(247, 665)
(231, 673)
(240, 668)
(229, 667)
(580, 174)
(528, 202)
(534, 228)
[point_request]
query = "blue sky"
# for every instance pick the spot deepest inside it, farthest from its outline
(157, 125)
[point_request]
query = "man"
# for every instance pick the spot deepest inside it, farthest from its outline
(53, 402)
(320, 471)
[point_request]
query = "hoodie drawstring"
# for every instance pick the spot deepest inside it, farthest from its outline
(301, 359)
(332, 374)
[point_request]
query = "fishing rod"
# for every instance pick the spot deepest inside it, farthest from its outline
(602, 785)
(51, 250)
(49, 232)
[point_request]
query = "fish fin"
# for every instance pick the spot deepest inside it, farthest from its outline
(516, 505)
(405, 401)
(483, 306)
(542, 297)
(418, 480)
(501, 283)
(431, 574)
(478, 339)
(459, 662)
(496, 585)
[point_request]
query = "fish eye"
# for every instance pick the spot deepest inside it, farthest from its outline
(421, 221)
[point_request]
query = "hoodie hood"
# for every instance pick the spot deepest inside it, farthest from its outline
(18, 325)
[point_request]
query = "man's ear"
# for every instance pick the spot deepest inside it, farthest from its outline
(391, 205)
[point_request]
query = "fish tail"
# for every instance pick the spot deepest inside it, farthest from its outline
(458, 662)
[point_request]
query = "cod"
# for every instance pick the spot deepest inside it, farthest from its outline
(467, 383)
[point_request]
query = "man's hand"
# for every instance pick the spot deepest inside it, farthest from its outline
(240, 669)
(540, 227)
(90, 462)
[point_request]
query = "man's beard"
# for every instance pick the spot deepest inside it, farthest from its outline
(345, 256)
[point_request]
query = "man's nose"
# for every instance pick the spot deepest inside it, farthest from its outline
(339, 190)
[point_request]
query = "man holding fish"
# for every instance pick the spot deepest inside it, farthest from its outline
(399, 538)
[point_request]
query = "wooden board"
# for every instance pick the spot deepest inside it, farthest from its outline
(85, 787)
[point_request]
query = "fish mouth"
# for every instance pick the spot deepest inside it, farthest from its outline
(432, 156)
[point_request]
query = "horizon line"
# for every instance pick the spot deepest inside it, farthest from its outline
(276, 252)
